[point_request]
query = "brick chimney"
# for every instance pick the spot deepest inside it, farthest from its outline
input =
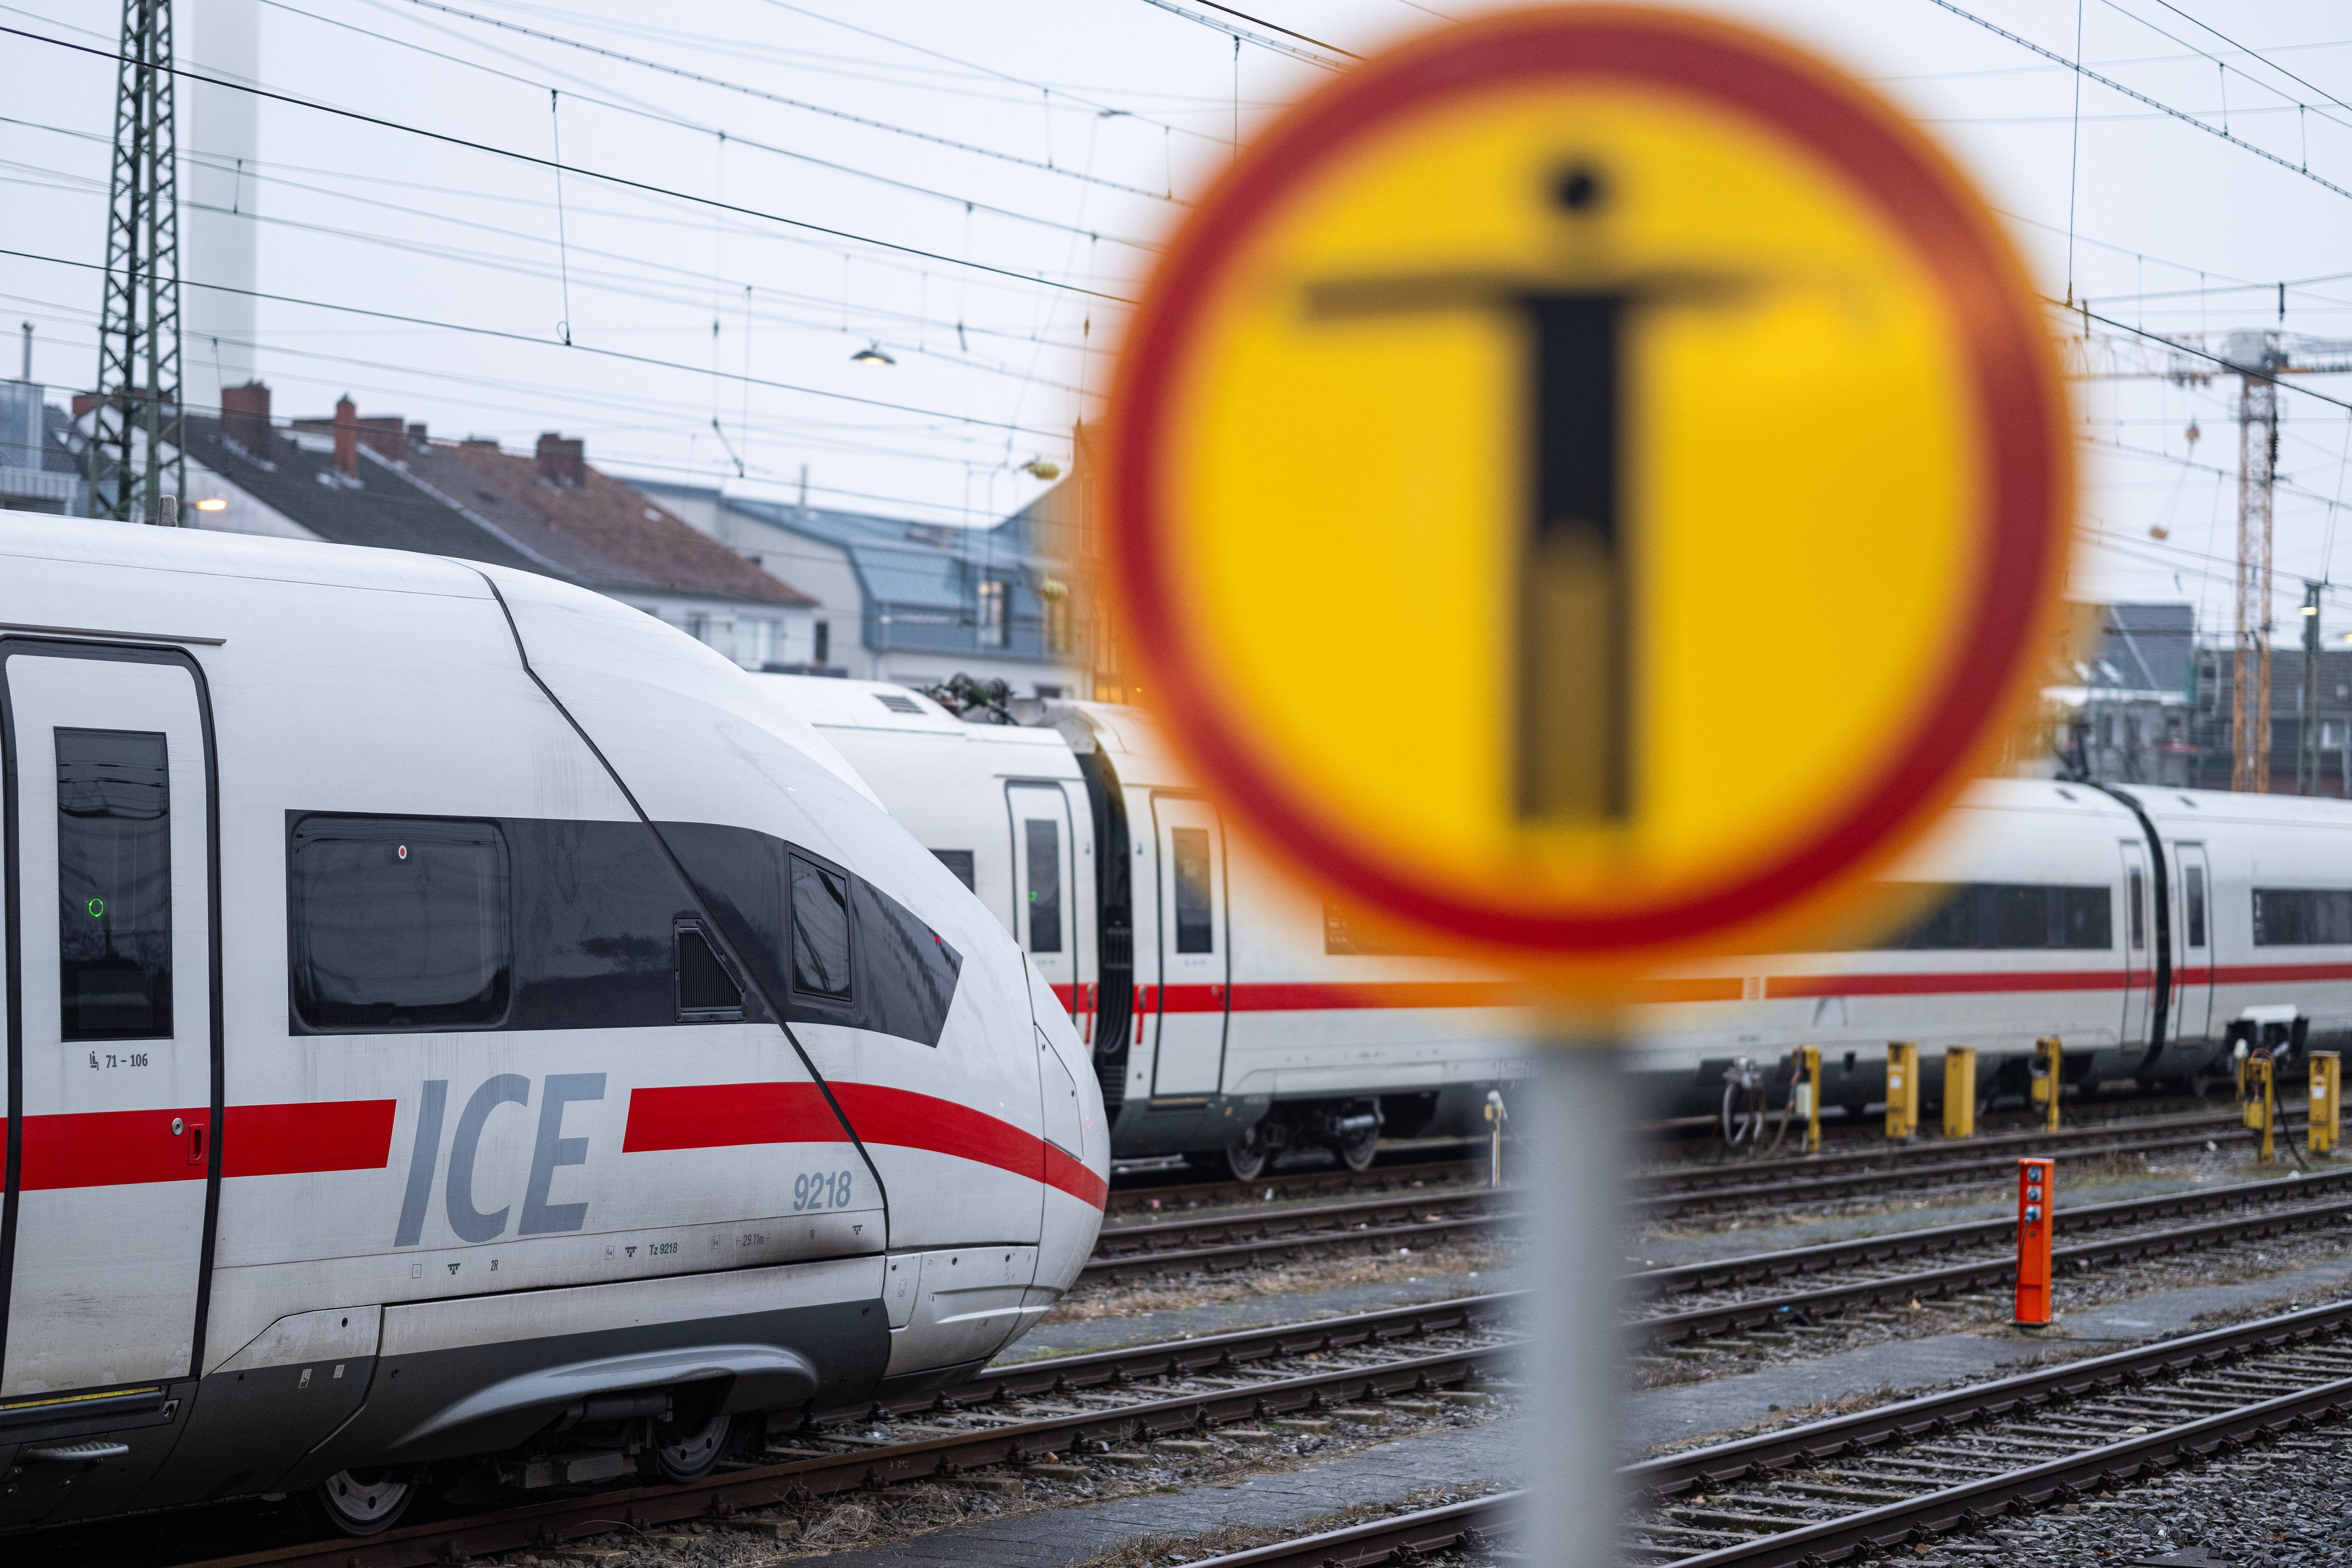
(417, 435)
(244, 417)
(563, 461)
(347, 437)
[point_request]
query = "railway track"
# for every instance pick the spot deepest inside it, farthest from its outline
(2244, 1212)
(1023, 1414)
(1902, 1475)
(1404, 1538)
(1664, 1193)
(1239, 1239)
(1135, 1192)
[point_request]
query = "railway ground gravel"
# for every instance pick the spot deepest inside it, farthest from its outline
(1086, 1335)
(1466, 1259)
(1156, 1499)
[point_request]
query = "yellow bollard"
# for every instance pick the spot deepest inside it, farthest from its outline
(1960, 1092)
(1902, 1090)
(2326, 1080)
(2047, 1059)
(2262, 1104)
(1809, 1095)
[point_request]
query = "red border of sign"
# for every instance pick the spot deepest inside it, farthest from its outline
(2017, 398)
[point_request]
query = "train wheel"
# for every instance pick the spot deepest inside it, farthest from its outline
(1358, 1148)
(685, 1453)
(1248, 1154)
(362, 1501)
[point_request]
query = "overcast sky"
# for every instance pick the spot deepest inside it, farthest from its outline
(1056, 141)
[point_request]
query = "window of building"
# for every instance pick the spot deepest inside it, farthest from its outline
(1195, 927)
(114, 884)
(959, 862)
(822, 653)
(697, 625)
(2301, 916)
(398, 922)
(1058, 623)
(755, 641)
(1043, 838)
(820, 931)
(993, 619)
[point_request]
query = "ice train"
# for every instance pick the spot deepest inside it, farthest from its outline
(451, 1014)
(2149, 929)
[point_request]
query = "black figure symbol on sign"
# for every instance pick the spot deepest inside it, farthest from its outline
(1574, 681)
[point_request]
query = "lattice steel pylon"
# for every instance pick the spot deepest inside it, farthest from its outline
(138, 457)
(2250, 694)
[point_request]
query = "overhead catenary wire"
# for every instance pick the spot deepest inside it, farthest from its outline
(644, 111)
(479, 331)
(1264, 40)
(619, 180)
(722, 84)
(2138, 97)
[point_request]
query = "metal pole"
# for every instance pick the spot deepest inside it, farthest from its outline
(1581, 1112)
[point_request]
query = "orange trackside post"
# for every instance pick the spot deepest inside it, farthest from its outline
(2036, 1197)
(2327, 1079)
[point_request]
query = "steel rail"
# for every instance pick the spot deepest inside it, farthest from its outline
(1405, 1538)
(1716, 1273)
(1885, 1156)
(1672, 1328)
(557, 1521)
(1133, 1191)
(1250, 1224)
(1241, 1254)
(1792, 1183)
(1863, 1431)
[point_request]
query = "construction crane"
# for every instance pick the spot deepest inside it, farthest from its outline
(2258, 357)
(138, 457)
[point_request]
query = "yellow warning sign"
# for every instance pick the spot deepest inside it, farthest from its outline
(1590, 483)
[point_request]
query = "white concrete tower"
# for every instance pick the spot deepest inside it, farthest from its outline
(221, 142)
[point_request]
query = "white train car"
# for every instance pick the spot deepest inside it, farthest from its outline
(450, 1014)
(1230, 1016)
(1227, 1011)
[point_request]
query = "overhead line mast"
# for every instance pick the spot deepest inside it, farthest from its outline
(139, 467)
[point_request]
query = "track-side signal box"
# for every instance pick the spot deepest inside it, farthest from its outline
(2036, 1199)
(1960, 1092)
(2326, 1100)
(1902, 1089)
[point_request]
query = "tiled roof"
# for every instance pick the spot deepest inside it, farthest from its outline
(477, 503)
(600, 533)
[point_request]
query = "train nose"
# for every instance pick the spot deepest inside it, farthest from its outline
(1077, 1145)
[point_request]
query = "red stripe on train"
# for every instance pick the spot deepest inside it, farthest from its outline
(131, 1148)
(725, 1115)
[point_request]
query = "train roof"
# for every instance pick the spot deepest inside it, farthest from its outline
(829, 703)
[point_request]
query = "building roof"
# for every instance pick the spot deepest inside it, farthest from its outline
(475, 503)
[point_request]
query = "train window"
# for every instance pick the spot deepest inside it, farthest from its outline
(1043, 839)
(707, 993)
(2137, 897)
(1195, 928)
(820, 931)
(2193, 881)
(114, 885)
(398, 922)
(910, 973)
(2302, 917)
(2008, 916)
(960, 862)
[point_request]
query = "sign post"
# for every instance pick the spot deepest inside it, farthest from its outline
(1501, 473)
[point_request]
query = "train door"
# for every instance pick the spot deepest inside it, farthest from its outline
(2139, 963)
(2193, 969)
(1045, 883)
(112, 1035)
(1189, 1003)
